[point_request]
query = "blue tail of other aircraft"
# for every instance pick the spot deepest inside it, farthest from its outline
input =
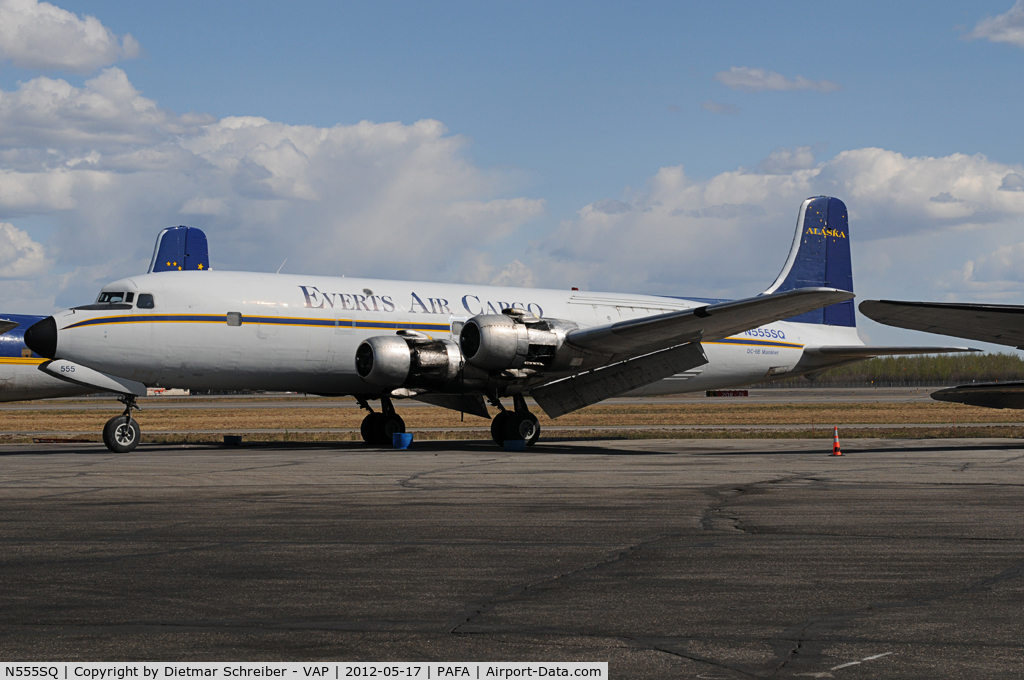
(820, 256)
(180, 248)
(12, 338)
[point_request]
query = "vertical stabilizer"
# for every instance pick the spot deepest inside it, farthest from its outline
(820, 256)
(180, 248)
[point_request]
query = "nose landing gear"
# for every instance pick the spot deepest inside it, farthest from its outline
(518, 424)
(121, 434)
(378, 428)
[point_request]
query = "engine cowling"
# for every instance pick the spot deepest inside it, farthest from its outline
(514, 340)
(408, 359)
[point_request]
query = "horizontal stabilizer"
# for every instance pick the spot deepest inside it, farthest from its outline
(999, 324)
(702, 324)
(88, 377)
(583, 389)
(180, 249)
(989, 395)
(867, 352)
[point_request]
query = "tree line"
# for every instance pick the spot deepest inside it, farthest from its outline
(919, 370)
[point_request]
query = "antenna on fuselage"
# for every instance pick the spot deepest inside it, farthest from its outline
(281, 267)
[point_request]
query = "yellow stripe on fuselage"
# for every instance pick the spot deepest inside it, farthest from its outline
(22, 361)
(734, 341)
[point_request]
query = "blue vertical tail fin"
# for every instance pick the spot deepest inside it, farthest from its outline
(820, 256)
(180, 248)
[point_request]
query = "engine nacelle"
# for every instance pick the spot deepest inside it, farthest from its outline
(514, 340)
(409, 359)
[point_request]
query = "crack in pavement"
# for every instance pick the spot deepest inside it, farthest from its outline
(729, 493)
(475, 610)
(658, 647)
(812, 629)
(722, 495)
(408, 482)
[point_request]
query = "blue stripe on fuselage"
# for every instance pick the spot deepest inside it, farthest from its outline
(753, 342)
(266, 320)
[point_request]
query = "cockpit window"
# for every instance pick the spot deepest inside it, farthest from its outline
(110, 298)
(145, 301)
(128, 297)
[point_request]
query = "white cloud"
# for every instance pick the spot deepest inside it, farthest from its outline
(1000, 270)
(374, 199)
(1005, 28)
(784, 161)
(514, 274)
(105, 168)
(728, 235)
(20, 256)
(761, 80)
(39, 35)
(711, 106)
(104, 125)
(1012, 182)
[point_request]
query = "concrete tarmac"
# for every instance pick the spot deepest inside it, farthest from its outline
(680, 558)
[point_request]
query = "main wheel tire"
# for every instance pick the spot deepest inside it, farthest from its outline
(536, 431)
(498, 427)
(388, 426)
(120, 435)
(368, 427)
(522, 426)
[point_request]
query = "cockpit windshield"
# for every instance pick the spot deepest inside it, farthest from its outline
(111, 299)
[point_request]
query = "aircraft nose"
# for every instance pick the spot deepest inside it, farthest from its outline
(41, 337)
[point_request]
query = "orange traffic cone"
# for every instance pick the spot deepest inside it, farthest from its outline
(835, 443)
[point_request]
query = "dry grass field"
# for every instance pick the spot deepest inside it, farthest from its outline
(321, 419)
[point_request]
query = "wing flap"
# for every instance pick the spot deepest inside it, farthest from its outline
(464, 403)
(583, 389)
(999, 324)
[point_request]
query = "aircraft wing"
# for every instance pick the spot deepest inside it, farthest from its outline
(651, 348)
(999, 324)
(710, 322)
(6, 325)
(990, 395)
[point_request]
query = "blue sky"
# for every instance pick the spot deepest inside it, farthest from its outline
(588, 98)
(569, 139)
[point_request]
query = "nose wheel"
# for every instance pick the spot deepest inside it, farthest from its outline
(121, 434)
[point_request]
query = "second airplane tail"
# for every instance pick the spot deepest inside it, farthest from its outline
(180, 249)
(820, 257)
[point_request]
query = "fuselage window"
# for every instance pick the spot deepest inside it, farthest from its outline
(110, 298)
(145, 301)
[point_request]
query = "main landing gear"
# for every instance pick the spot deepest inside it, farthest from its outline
(378, 428)
(121, 434)
(518, 424)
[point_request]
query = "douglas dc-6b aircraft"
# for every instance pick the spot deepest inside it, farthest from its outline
(452, 345)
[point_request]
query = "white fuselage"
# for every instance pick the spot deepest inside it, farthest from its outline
(300, 333)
